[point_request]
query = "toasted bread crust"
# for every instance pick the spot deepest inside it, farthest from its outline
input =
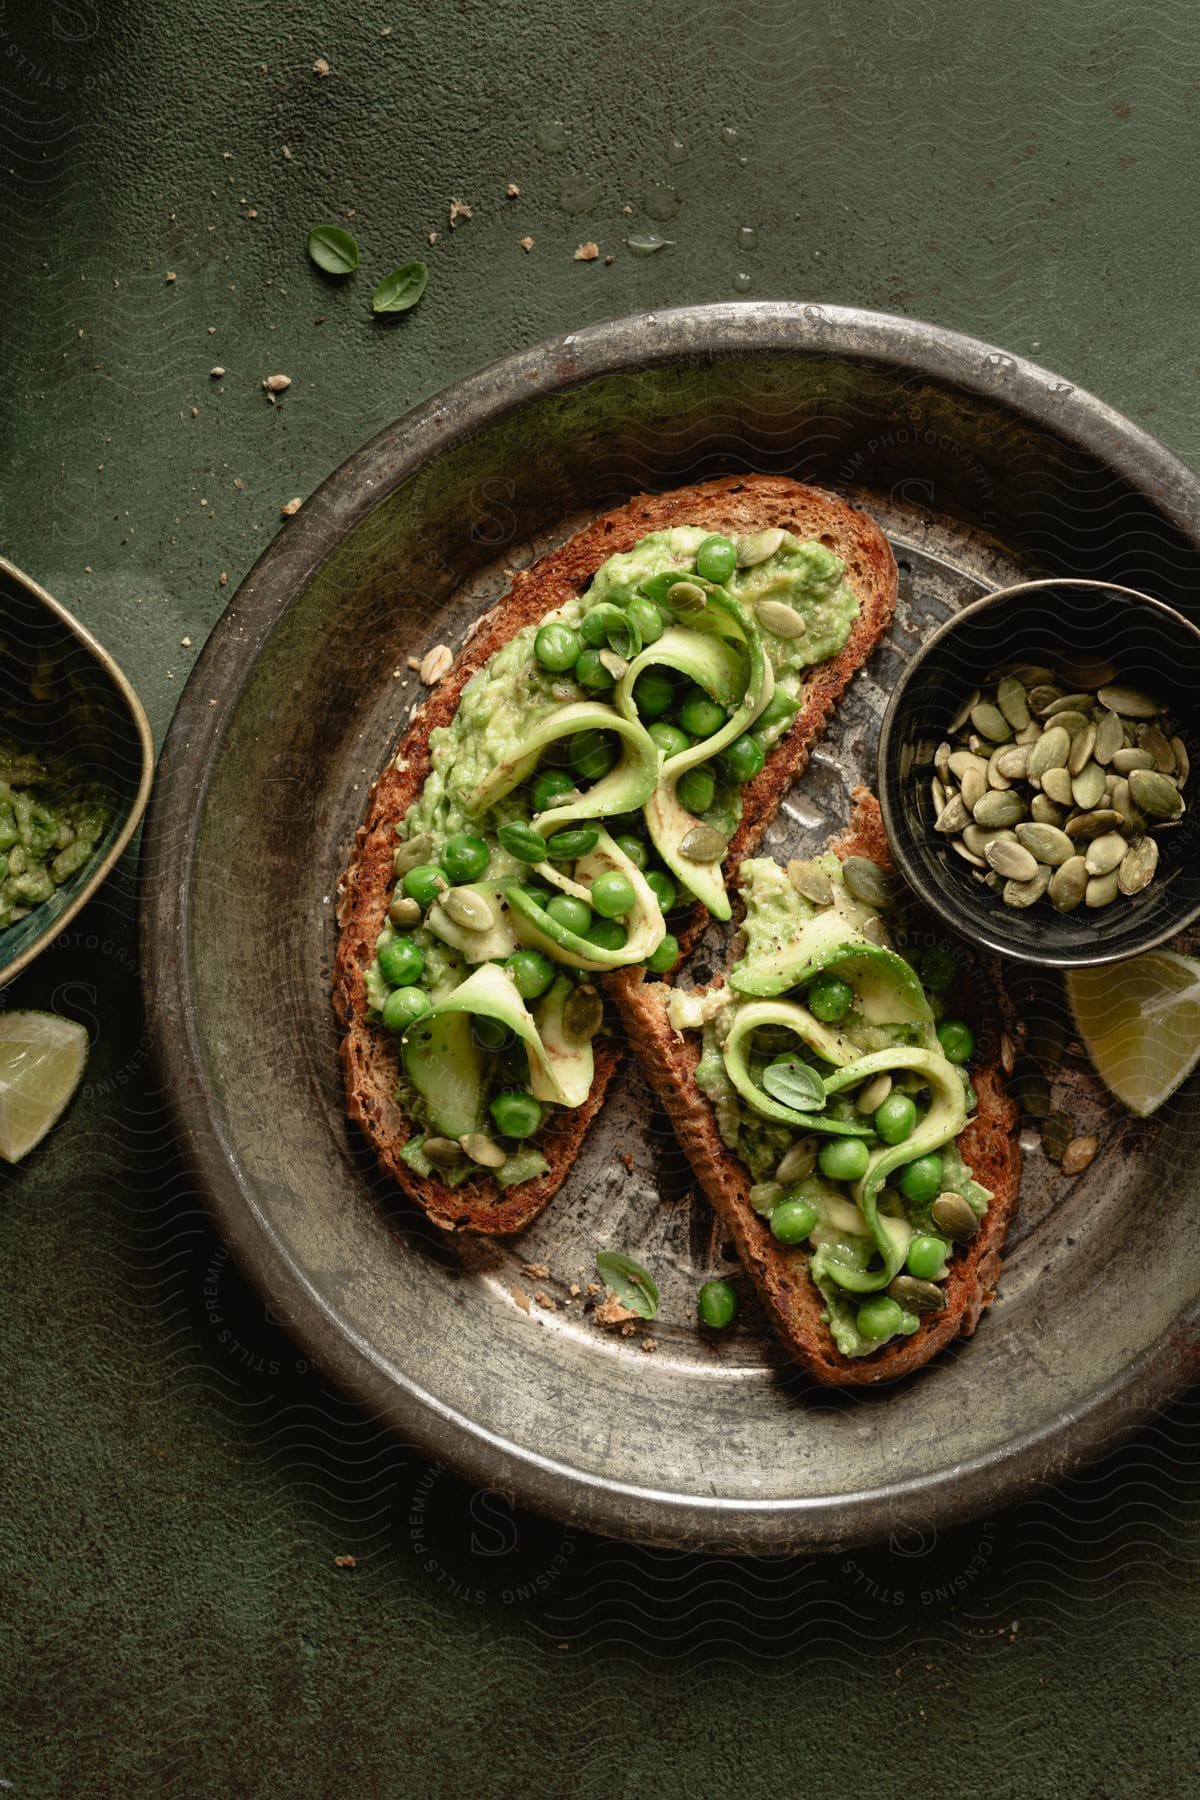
(781, 1275)
(369, 1060)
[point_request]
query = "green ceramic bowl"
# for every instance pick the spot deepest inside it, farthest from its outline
(82, 705)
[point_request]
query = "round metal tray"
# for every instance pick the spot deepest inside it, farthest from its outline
(984, 469)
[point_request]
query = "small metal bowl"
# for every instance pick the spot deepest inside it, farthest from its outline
(1151, 646)
(61, 692)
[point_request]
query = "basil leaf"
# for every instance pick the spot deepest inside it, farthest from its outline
(401, 289)
(794, 1083)
(634, 1286)
(333, 249)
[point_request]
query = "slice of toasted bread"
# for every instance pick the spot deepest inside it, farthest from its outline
(781, 1275)
(733, 504)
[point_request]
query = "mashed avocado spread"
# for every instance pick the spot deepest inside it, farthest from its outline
(587, 785)
(837, 1081)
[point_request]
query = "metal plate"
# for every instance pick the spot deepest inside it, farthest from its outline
(983, 469)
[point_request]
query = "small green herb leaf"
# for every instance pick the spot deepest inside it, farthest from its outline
(401, 289)
(793, 1082)
(333, 249)
(634, 1286)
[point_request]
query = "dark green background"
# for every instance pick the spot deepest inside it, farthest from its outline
(178, 1484)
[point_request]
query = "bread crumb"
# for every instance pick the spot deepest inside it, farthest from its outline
(321, 68)
(291, 506)
(527, 244)
(574, 1290)
(649, 1344)
(186, 643)
(275, 384)
(169, 276)
(433, 237)
(611, 1312)
(546, 1300)
(223, 579)
(287, 154)
(521, 1298)
(593, 1287)
(627, 1330)
(458, 210)
(217, 372)
(539, 1271)
(628, 211)
(345, 1562)
(608, 262)
(512, 191)
(436, 664)
(587, 253)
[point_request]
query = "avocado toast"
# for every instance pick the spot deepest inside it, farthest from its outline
(561, 814)
(820, 1093)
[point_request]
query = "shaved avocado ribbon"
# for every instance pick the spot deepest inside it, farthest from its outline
(644, 923)
(942, 1123)
(703, 651)
(627, 785)
(444, 1064)
(828, 943)
(830, 1045)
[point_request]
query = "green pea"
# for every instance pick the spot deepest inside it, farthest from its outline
(633, 848)
(590, 672)
(716, 559)
(717, 1304)
(957, 1040)
(670, 740)
(612, 894)
(608, 624)
(829, 998)
(538, 895)
(663, 889)
(424, 883)
(779, 708)
(464, 857)
(699, 715)
(922, 1180)
(593, 627)
(549, 784)
(879, 1318)
(696, 788)
(516, 1115)
(743, 759)
(572, 914)
(894, 1120)
(648, 619)
(401, 962)
(532, 972)
(792, 1220)
(404, 1005)
(557, 648)
(606, 934)
(567, 846)
(653, 694)
(591, 753)
(844, 1159)
(522, 841)
(663, 960)
(938, 969)
(927, 1258)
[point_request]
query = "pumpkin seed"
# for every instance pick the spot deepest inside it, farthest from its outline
(687, 599)
(616, 665)
(960, 849)
(1101, 890)
(799, 1160)
(1025, 893)
(1126, 761)
(990, 722)
(1058, 1129)
(875, 932)
(974, 787)
(917, 1296)
(964, 712)
(866, 881)
(1032, 675)
(1087, 788)
(1086, 826)
(1138, 866)
(1131, 703)
(1046, 842)
(1011, 860)
(962, 760)
(1071, 722)
(1110, 737)
(1183, 767)
(411, 854)
(1011, 761)
(1030, 735)
(1067, 885)
(937, 794)
(1082, 745)
(758, 547)
(1154, 795)
(1086, 672)
(780, 620)
(995, 778)
(1050, 751)
(811, 881)
(955, 1216)
(953, 816)
(703, 844)
(469, 910)
(1079, 1154)
(404, 911)
(444, 1153)
(873, 1093)
(1105, 852)
(1129, 819)
(1044, 812)
(1010, 698)
(1057, 784)
(1065, 703)
(978, 837)
(483, 1150)
(941, 762)
(1156, 744)
(1043, 694)
(999, 809)
(582, 1015)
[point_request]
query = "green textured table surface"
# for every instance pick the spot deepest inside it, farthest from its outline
(178, 1484)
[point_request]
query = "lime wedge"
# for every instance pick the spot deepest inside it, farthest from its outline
(1140, 1023)
(42, 1059)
